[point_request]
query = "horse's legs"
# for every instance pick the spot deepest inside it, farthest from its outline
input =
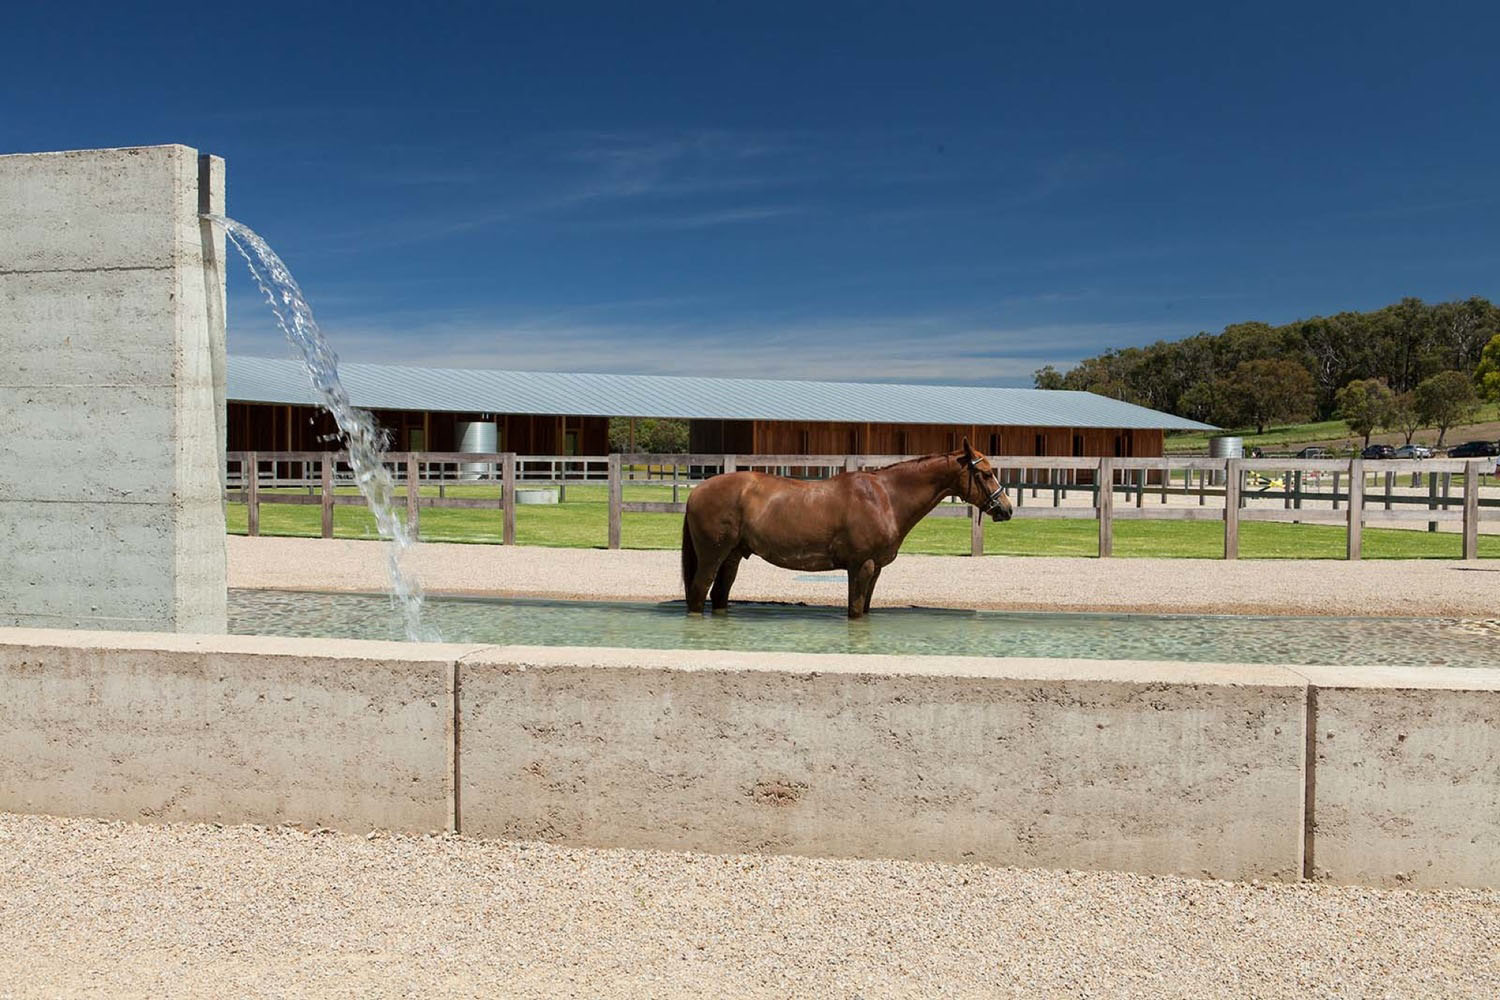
(698, 589)
(870, 588)
(724, 579)
(861, 579)
(709, 561)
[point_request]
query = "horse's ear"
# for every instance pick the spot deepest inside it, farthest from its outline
(968, 448)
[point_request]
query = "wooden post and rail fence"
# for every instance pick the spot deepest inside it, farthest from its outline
(1116, 488)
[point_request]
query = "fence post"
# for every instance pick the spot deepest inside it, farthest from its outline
(616, 497)
(508, 497)
(976, 531)
(1390, 482)
(1432, 487)
(413, 483)
(252, 493)
(850, 463)
(328, 457)
(1231, 508)
(1356, 506)
(1471, 511)
(1105, 501)
(729, 464)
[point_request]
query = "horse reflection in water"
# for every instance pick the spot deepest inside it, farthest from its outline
(854, 521)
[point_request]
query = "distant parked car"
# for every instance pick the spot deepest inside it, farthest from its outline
(1313, 453)
(1413, 451)
(1474, 449)
(1378, 451)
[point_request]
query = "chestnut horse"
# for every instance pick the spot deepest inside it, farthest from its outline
(855, 521)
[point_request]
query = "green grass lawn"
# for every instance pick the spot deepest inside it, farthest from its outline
(583, 522)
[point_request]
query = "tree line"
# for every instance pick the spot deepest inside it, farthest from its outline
(1255, 374)
(653, 435)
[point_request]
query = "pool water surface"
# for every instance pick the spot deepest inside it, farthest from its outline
(1444, 642)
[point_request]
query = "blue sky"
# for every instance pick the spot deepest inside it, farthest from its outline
(907, 192)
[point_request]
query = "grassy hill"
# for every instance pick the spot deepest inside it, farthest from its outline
(1335, 436)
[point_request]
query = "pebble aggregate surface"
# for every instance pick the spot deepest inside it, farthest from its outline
(110, 909)
(1393, 587)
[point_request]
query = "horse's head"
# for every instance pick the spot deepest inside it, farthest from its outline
(979, 485)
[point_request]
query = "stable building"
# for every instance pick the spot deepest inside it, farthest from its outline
(273, 407)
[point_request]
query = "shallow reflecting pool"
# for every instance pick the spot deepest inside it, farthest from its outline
(931, 631)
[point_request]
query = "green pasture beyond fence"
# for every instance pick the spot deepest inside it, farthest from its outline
(291, 498)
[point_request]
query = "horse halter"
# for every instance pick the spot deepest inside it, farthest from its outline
(992, 501)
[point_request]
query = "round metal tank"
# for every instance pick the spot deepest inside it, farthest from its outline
(477, 435)
(1226, 447)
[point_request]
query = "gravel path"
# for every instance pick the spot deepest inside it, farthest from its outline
(116, 910)
(1204, 586)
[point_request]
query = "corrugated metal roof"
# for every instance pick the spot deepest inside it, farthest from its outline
(401, 387)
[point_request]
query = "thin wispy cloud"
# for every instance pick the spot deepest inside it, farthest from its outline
(705, 220)
(693, 180)
(686, 180)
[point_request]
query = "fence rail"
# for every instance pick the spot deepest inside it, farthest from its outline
(1116, 488)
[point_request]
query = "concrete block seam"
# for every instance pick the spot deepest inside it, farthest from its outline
(88, 270)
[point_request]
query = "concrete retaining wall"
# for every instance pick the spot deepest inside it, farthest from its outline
(1197, 770)
(1407, 777)
(1166, 768)
(111, 394)
(227, 729)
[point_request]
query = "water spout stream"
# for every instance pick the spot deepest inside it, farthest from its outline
(362, 437)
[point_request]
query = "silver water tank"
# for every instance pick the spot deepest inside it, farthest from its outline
(1225, 447)
(480, 436)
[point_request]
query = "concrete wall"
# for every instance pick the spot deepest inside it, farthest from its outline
(227, 729)
(1153, 767)
(1196, 770)
(1407, 777)
(111, 395)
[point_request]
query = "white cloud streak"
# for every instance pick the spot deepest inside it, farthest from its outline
(914, 349)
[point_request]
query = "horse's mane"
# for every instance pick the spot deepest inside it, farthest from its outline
(908, 461)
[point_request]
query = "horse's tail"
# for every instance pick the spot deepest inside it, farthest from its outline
(689, 556)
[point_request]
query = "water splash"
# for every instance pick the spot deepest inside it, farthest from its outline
(362, 437)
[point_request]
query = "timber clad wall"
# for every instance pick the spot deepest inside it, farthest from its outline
(276, 427)
(773, 437)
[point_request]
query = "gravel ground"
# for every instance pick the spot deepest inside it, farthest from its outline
(1203, 586)
(112, 909)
